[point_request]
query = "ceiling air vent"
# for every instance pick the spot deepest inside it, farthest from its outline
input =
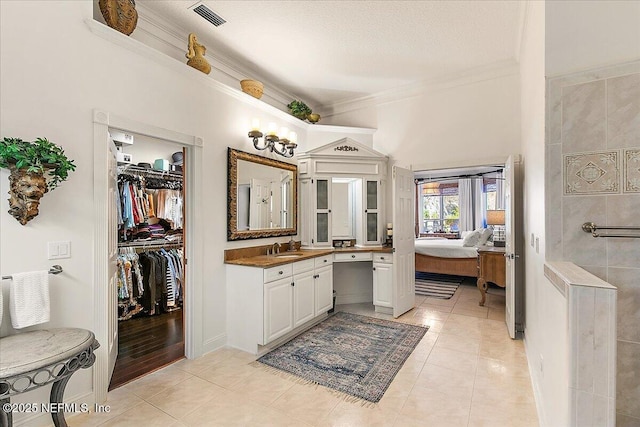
(209, 15)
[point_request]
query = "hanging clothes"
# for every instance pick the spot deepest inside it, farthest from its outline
(150, 282)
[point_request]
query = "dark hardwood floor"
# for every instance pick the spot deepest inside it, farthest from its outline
(146, 344)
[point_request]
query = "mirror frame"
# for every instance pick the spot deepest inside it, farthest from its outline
(233, 156)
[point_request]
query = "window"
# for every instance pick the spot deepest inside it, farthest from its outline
(491, 193)
(440, 207)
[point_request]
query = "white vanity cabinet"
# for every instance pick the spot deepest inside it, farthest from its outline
(383, 283)
(357, 210)
(268, 304)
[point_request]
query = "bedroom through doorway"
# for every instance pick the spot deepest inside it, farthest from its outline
(464, 231)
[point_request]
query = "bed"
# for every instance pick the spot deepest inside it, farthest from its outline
(444, 256)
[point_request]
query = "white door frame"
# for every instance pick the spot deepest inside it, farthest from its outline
(102, 121)
(518, 233)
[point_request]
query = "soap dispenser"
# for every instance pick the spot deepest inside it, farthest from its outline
(292, 245)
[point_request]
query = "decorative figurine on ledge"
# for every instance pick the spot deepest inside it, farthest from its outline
(195, 55)
(120, 15)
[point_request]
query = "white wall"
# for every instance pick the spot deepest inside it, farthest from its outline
(545, 308)
(588, 34)
(53, 72)
(458, 124)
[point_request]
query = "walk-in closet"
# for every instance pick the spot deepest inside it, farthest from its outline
(149, 199)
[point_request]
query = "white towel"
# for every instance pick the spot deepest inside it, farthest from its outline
(29, 299)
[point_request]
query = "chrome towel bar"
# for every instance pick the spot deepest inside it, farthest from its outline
(590, 227)
(55, 269)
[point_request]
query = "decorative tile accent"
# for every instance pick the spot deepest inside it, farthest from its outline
(592, 173)
(631, 171)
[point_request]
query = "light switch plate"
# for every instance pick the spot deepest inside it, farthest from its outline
(59, 250)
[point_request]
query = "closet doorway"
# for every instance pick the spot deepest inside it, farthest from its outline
(106, 240)
(150, 280)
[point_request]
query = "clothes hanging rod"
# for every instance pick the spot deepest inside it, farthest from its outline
(138, 170)
(55, 269)
(590, 227)
(148, 245)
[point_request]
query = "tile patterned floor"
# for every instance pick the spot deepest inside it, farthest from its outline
(466, 371)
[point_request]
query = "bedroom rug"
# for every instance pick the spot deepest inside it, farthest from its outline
(353, 354)
(437, 285)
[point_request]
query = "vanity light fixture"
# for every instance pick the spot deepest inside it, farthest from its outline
(282, 142)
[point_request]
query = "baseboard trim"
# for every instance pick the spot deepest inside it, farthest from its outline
(214, 343)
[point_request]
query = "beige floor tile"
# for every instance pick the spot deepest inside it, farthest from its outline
(307, 402)
(226, 375)
(157, 382)
(346, 415)
(184, 397)
(497, 369)
(447, 381)
(457, 360)
(143, 414)
(480, 314)
(434, 408)
(434, 307)
(263, 387)
(223, 408)
(119, 401)
(428, 313)
(458, 324)
(489, 414)
(458, 343)
(465, 370)
(496, 314)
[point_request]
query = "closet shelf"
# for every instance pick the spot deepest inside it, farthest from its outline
(140, 171)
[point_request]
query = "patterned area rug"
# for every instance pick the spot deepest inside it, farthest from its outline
(353, 354)
(437, 285)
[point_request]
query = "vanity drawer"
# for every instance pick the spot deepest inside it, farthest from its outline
(323, 260)
(353, 256)
(302, 266)
(275, 273)
(384, 258)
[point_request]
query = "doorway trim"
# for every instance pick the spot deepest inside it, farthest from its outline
(102, 121)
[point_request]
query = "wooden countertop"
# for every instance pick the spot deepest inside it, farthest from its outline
(266, 261)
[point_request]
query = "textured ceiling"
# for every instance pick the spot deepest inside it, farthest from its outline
(325, 52)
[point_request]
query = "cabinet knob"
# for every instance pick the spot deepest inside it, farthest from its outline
(293, 284)
(353, 256)
(374, 269)
(381, 257)
(280, 272)
(326, 260)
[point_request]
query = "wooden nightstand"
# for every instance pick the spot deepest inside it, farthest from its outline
(492, 268)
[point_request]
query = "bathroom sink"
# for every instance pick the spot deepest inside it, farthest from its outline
(288, 255)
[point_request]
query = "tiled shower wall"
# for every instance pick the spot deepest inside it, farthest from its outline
(593, 175)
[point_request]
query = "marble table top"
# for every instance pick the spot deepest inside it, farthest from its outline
(25, 352)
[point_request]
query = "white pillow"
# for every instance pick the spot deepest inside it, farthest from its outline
(471, 239)
(465, 233)
(485, 235)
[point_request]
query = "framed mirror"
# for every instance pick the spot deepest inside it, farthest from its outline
(262, 197)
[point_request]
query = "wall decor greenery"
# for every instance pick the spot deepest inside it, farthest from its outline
(35, 168)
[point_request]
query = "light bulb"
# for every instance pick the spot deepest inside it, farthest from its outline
(271, 129)
(255, 124)
(293, 137)
(284, 132)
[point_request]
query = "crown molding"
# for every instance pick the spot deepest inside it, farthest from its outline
(451, 80)
(174, 39)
